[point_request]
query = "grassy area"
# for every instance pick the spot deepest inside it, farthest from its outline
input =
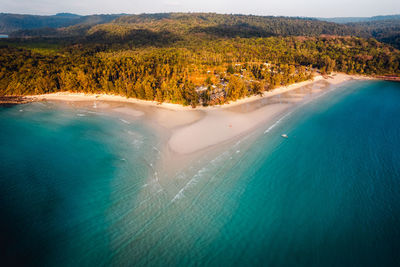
(44, 48)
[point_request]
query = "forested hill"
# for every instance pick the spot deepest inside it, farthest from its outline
(169, 26)
(387, 31)
(235, 25)
(215, 25)
(10, 23)
(360, 19)
(384, 28)
(188, 58)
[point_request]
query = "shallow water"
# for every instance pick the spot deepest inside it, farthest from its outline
(84, 189)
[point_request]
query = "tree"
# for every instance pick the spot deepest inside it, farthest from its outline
(149, 93)
(258, 87)
(236, 88)
(230, 69)
(159, 95)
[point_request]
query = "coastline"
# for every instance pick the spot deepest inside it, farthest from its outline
(335, 78)
(187, 130)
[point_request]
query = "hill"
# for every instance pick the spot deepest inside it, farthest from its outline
(215, 25)
(344, 20)
(387, 31)
(10, 23)
(177, 25)
(384, 28)
(234, 25)
(166, 28)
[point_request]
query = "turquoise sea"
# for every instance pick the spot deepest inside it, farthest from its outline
(79, 188)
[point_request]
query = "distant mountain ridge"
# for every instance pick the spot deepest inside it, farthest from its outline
(209, 24)
(383, 28)
(67, 15)
(344, 20)
(176, 25)
(13, 22)
(224, 25)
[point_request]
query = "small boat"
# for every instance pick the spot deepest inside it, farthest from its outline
(285, 136)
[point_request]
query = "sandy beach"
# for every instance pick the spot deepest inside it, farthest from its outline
(190, 130)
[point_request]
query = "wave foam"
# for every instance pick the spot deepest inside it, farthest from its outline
(277, 122)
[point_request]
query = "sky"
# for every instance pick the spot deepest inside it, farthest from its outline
(303, 8)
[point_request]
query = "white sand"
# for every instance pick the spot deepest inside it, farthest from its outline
(194, 130)
(175, 118)
(129, 111)
(220, 126)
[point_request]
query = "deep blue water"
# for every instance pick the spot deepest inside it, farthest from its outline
(83, 190)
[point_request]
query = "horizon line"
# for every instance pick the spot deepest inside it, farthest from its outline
(194, 12)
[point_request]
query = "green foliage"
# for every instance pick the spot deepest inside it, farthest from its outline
(386, 30)
(14, 22)
(230, 69)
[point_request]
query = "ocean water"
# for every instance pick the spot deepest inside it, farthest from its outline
(82, 189)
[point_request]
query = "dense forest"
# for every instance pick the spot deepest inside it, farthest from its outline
(189, 59)
(344, 20)
(10, 23)
(386, 31)
(216, 25)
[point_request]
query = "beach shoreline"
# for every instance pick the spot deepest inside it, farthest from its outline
(335, 78)
(189, 130)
